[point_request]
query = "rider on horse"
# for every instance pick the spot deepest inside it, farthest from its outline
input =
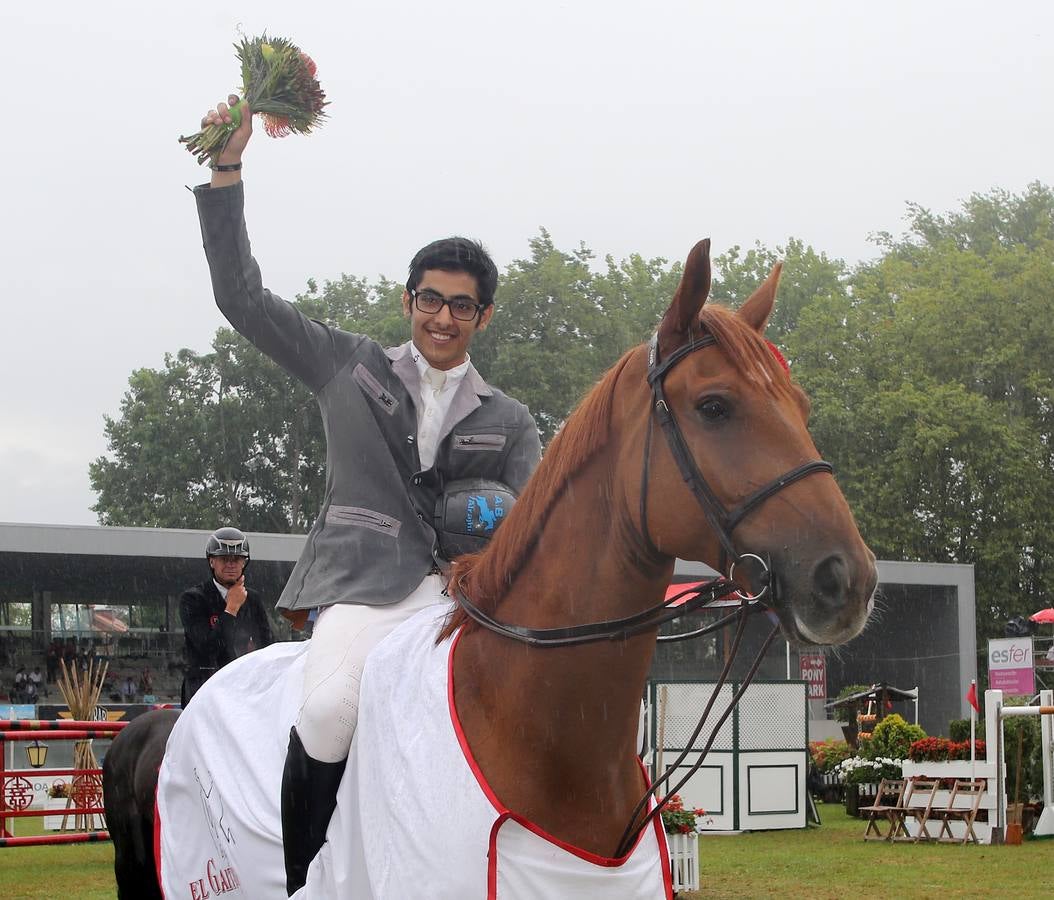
(402, 426)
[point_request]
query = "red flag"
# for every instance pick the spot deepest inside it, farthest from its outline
(971, 695)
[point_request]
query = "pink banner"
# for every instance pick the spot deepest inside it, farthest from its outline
(1013, 681)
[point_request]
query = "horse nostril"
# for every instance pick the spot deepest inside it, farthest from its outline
(831, 581)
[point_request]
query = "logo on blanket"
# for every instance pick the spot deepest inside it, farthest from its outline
(216, 881)
(220, 877)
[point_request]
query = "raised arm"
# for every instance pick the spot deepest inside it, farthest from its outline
(307, 349)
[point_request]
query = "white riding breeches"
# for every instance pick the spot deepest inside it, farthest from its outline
(343, 636)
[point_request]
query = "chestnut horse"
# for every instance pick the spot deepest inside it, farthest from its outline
(553, 728)
(694, 447)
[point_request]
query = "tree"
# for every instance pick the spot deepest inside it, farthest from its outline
(224, 437)
(806, 277)
(931, 382)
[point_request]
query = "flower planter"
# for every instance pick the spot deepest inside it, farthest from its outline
(54, 822)
(857, 795)
(684, 861)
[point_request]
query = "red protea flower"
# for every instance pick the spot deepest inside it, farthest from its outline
(277, 126)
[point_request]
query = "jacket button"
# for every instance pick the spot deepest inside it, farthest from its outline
(417, 479)
(409, 439)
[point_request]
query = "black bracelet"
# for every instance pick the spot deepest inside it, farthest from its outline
(232, 167)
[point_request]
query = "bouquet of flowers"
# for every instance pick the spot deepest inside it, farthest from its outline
(278, 82)
(678, 820)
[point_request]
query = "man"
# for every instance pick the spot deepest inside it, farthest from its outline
(36, 679)
(402, 425)
(222, 619)
(128, 689)
(18, 693)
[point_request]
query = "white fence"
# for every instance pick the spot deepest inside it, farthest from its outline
(754, 776)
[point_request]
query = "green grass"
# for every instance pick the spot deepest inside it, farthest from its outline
(826, 863)
(833, 861)
(69, 871)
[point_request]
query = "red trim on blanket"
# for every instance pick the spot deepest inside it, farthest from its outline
(157, 843)
(504, 813)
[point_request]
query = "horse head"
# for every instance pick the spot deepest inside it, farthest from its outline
(744, 424)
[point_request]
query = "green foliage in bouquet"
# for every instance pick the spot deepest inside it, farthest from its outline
(278, 83)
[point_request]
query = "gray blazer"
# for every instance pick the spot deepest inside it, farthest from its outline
(373, 540)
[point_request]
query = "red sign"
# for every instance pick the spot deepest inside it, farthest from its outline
(814, 674)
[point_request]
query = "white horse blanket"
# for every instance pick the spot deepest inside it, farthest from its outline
(415, 816)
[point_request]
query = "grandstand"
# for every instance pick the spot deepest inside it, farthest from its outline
(100, 593)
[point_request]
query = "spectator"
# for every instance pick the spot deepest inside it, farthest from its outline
(128, 690)
(21, 682)
(52, 661)
(146, 682)
(222, 619)
(37, 681)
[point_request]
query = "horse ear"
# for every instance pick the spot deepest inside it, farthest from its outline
(758, 308)
(688, 299)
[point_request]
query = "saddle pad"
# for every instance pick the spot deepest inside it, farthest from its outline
(414, 815)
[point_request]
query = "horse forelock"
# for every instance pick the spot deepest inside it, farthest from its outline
(485, 577)
(747, 351)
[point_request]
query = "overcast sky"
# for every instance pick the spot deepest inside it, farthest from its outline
(630, 126)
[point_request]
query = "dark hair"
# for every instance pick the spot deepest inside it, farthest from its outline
(457, 254)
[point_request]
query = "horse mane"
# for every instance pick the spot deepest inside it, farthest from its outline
(486, 576)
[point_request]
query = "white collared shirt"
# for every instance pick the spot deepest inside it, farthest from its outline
(434, 405)
(219, 587)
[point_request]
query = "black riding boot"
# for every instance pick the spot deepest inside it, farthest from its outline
(309, 796)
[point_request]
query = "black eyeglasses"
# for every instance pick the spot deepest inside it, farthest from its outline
(431, 302)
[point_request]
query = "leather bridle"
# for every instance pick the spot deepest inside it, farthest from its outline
(722, 522)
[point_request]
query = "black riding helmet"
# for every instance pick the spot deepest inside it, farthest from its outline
(227, 542)
(468, 513)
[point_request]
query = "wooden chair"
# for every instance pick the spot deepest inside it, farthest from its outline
(918, 805)
(968, 793)
(888, 806)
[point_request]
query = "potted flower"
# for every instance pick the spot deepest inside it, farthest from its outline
(58, 799)
(682, 837)
(861, 777)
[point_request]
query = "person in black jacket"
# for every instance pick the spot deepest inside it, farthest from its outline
(222, 619)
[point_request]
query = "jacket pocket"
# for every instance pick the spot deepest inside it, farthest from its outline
(374, 389)
(479, 442)
(364, 518)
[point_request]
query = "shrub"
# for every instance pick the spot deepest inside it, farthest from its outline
(959, 729)
(826, 755)
(893, 737)
(940, 749)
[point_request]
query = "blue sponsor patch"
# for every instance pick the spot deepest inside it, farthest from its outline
(481, 516)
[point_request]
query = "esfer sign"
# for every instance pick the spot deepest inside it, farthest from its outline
(1010, 667)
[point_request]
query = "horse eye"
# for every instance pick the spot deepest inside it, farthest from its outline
(713, 409)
